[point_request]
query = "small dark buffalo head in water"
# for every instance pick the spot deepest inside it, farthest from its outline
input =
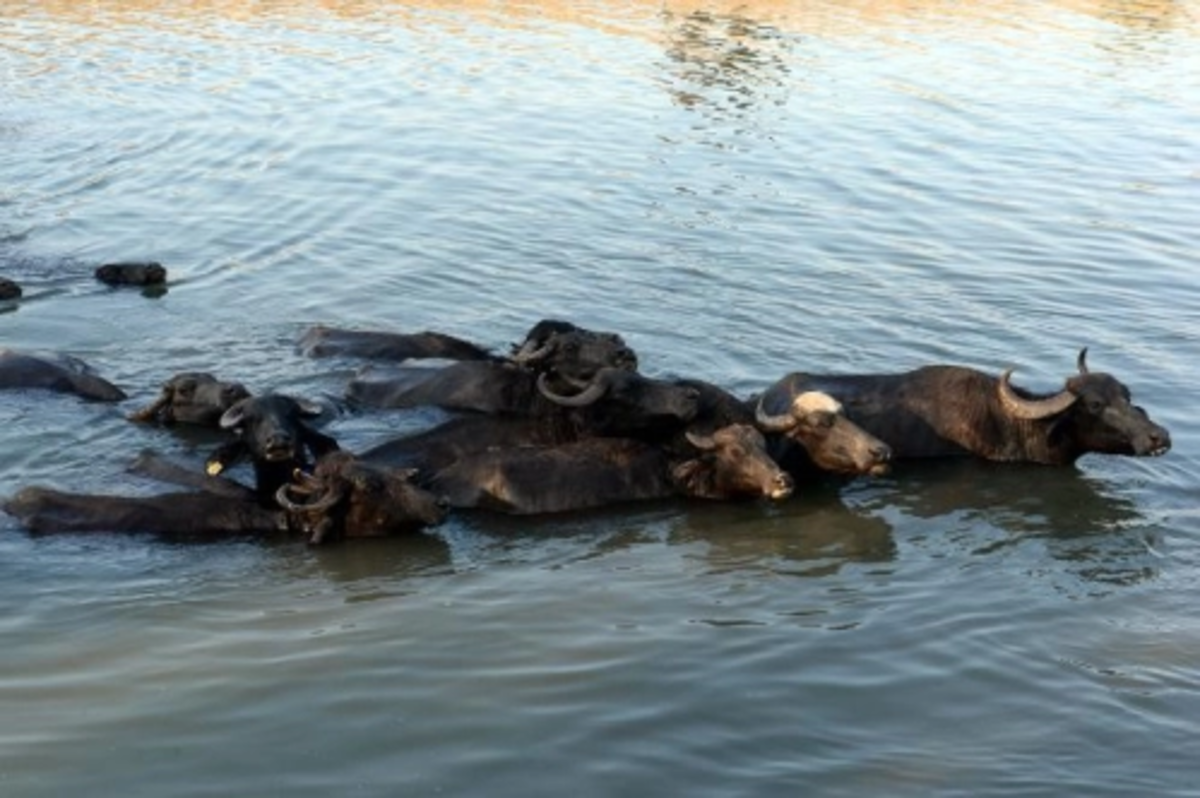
(9, 289)
(272, 432)
(816, 423)
(347, 498)
(132, 274)
(192, 398)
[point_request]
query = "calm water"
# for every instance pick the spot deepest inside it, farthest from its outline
(742, 190)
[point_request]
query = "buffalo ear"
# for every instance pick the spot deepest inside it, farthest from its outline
(309, 408)
(233, 416)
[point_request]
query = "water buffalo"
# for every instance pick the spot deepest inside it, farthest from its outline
(271, 431)
(562, 349)
(342, 498)
(143, 274)
(732, 463)
(192, 398)
(61, 373)
(945, 411)
(815, 435)
(614, 403)
(9, 289)
(322, 341)
(565, 353)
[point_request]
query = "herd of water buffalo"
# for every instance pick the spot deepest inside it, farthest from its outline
(563, 421)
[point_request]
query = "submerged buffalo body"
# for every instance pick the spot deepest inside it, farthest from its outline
(343, 498)
(732, 463)
(945, 411)
(60, 373)
(132, 273)
(322, 341)
(565, 354)
(9, 289)
(192, 398)
(615, 403)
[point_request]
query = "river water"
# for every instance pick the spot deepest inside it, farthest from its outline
(741, 190)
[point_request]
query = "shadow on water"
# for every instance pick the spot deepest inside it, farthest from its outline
(816, 534)
(380, 568)
(995, 510)
(961, 509)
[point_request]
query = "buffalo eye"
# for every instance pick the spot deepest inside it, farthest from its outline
(1095, 406)
(825, 420)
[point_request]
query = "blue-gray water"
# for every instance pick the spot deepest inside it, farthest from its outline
(742, 190)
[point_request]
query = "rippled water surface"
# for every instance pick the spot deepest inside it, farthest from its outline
(742, 190)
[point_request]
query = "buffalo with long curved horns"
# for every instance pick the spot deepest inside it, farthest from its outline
(946, 411)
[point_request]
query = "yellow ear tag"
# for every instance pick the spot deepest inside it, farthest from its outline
(214, 468)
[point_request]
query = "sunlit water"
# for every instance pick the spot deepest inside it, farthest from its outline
(742, 190)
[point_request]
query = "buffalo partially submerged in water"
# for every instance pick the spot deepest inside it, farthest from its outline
(732, 463)
(944, 411)
(614, 403)
(192, 397)
(342, 498)
(322, 341)
(61, 373)
(565, 354)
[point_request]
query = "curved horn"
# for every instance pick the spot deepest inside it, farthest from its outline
(233, 416)
(530, 352)
(281, 498)
(1082, 361)
(702, 442)
(769, 423)
(151, 411)
(587, 396)
(1031, 409)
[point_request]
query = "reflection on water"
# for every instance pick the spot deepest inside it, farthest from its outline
(743, 189)
(730, 63)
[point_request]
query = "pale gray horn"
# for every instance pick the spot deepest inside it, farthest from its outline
(320, 506)
(769, 423)
(233, 416)
(530, 352)
(1031, 409)
(587, 396)
(702, 442)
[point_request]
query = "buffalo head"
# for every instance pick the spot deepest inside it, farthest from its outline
(192, 398)
(834, 443)
(347, 498)
(272, 432)
(561, 348)
(731, 463)
(1093, 411)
